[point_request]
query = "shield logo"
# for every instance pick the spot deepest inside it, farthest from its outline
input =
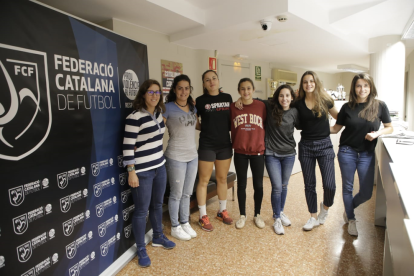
(62, 180)
(20, 224)
(104, 249)
(24, 252)
(127, 231)
(24, 75)
(95, 169)
(125, 214)
(71, 250)
(74, 270)
(99, 210)
(124, 197)
(16, 196)
(122, 179)
(65, 204)
(102, 229)
(68, 227)
(120, 161)
(97, 189)
(30, 272)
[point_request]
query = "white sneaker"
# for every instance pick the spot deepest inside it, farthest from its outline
(312, 222)
(352, 228)
(190, 231)
(323, 214)
(285, 220)
(179, 233)
(241, 222)
(345, 217)
(259, 221)
(278, 227)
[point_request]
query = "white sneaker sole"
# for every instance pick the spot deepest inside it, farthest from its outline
(181, 239)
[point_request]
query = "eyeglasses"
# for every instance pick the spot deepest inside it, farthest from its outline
(150, 92)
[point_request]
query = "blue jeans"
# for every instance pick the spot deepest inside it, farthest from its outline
(279, 170)
(148, 195)
(362, 162)
(181, 176)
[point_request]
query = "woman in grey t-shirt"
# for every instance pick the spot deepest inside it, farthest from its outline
(181, 155)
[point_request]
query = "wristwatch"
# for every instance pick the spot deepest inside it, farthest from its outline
(130, 169)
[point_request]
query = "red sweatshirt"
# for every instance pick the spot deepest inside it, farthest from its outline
(247, 128)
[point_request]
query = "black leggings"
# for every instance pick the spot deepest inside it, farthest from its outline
(241, 162)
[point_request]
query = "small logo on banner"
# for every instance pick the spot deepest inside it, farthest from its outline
(62, 179)
(120, 161)
(95, 169)
(99, 210)
(97, 189)
(71, 250)
(83, 171)
(30, 272)
(68, 227)
(55, 258)
(16, 196)
(111, 161)
(51, 233)
(74, 270)
(24, 252)
(93, 255)
(25, 85)
(65, 204)
(128, 231)
(2, 261)
(104, 249)
(102, 230)
(131, 84)
(45, 183)
(20, 224)
(125, 214)
(122, 178)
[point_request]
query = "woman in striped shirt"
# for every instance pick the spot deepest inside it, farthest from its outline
(144, 130)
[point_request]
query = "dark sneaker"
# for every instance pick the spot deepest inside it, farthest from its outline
(162, 241)
(143, 259)
(224, 217)
(205, 224)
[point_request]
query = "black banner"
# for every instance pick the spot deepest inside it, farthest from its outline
(66, 88)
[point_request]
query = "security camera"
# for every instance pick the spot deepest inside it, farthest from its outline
(266, 25)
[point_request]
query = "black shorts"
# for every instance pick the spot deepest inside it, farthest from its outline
(213, 155)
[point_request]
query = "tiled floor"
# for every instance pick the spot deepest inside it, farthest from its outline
(326, 250)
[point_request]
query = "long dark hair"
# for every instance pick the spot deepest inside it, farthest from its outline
(139, 101)
(277, 109)
(171, 97)
(370, 111)
(322, 99)
(205, 91)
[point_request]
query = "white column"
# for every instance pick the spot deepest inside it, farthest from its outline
(387, 65)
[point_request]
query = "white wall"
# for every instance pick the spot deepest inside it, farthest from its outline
(410, 97)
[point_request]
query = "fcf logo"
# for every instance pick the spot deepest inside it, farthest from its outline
(102, 229)
(74, 270)
(16, 196)
(65, 204)
(71, 250)
(68, 227)
(20, 224)
(25, 109)
(62, 180)
(104, 249)
(24, 252)
(95, 169)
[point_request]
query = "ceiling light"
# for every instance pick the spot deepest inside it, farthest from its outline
(241, 57)
(352, 68)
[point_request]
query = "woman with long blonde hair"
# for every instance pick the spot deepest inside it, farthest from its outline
(314, 106)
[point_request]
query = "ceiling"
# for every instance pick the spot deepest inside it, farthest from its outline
(318, 35)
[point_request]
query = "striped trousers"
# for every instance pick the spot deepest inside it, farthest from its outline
(322, 151)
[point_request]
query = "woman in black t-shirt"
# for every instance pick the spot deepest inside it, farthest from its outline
(313, 105)
(361, 118)
(214, 147)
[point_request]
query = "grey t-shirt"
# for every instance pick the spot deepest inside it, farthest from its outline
(181, 128)
(279, 139)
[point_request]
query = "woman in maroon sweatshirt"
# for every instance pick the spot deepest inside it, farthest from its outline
(247, 135)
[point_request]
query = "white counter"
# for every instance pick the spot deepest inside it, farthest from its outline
(395, 204)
